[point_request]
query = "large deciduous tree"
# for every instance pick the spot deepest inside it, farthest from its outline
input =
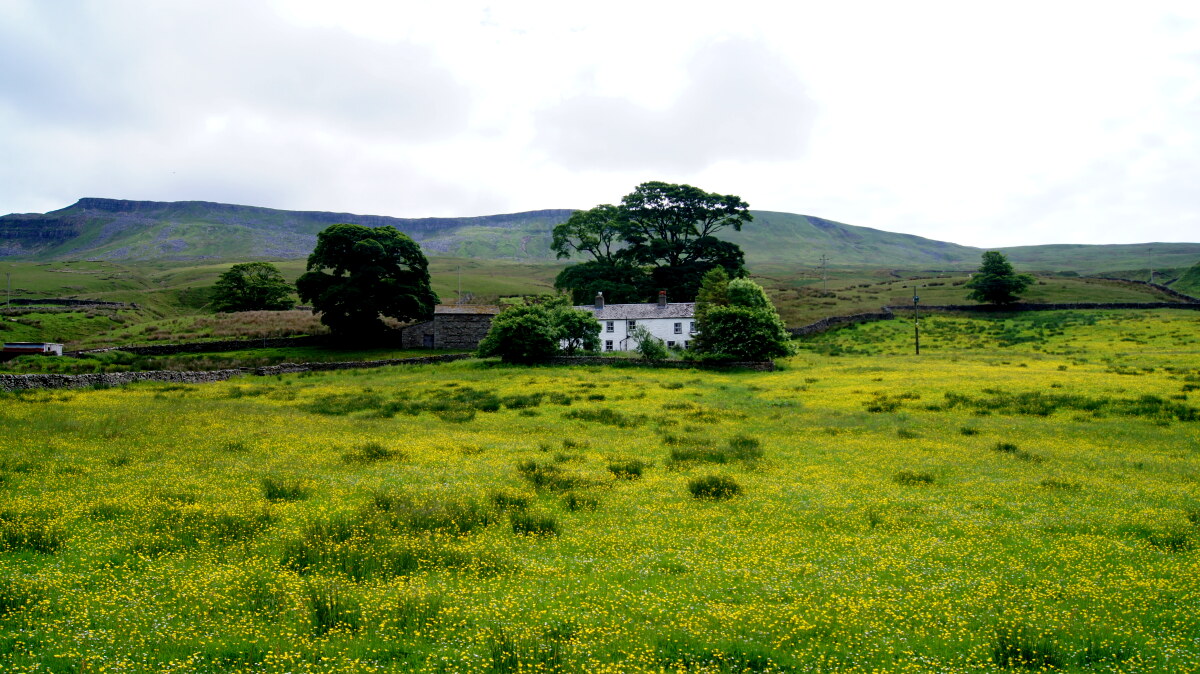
(996, 282)
(661, 237)
(598, 232)
(672, 227)
(252, 286)
(357, 274)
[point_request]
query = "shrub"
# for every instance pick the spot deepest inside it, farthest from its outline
(714, 487)
(649, 347)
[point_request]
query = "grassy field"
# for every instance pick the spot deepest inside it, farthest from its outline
(1022, 496)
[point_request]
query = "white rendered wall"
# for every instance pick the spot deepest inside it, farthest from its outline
(662, 328)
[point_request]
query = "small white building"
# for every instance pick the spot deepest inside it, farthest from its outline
(672, 322)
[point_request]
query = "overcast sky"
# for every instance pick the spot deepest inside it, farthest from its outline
(987, 124)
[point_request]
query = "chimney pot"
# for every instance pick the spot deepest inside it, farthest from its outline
(662, 298)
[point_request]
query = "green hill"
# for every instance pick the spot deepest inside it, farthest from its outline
(121, 230)
(1189, 283)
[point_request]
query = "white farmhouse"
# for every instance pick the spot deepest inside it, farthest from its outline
(672, 322)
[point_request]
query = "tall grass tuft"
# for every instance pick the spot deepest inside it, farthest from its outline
(909, 477)
(532, 524)
(628, 470)
(332, 609)
(280, 489)
(714, 488)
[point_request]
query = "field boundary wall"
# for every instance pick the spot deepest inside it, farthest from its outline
(14, 382)
(758, 366)
(205, 347)
(889, 312)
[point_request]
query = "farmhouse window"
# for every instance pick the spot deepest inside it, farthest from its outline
(691, 327)
(608, 326)
(670, 343)
(679, 328)
(632, 324)
(608, 345)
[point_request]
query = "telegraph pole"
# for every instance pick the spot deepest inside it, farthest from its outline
(824, 276)
(916, 322)
(1150, 256)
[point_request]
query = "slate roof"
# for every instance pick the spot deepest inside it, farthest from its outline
(484, 309)
(625, 312)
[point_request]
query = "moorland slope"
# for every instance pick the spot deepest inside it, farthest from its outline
(123, 230)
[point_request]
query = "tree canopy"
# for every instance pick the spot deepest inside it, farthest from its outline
(357, 274)
(738, 322)
(252, 286)
(661, 237)
(539, 328)
(996, 282)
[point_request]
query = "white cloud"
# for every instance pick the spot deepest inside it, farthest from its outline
(988, 125)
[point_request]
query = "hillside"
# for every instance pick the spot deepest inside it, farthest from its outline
(121, 230)
(115, 229)
(1189, 283)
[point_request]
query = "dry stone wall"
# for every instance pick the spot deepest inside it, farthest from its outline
(210, 347)
(759, 366)
(15, 382)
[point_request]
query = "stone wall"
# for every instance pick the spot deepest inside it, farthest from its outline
(888, 313)
(1061, 306)
(211, 347)
(65, 302)
(838, 321)
(759, 366)
(413, 336)
(13, 382)
(460, 331)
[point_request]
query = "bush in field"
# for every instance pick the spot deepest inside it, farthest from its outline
(522, 333)
(252, 286)
(747, 327)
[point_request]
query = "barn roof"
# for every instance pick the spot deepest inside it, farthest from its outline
(625, 312)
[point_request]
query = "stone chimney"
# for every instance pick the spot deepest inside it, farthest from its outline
(599, 300)
(662, 298)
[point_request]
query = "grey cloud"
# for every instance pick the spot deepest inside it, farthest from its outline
(120, 65)
(739, 103)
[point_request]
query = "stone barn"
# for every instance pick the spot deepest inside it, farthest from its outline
(454, 326)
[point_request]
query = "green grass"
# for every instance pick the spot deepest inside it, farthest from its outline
(359, 521)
